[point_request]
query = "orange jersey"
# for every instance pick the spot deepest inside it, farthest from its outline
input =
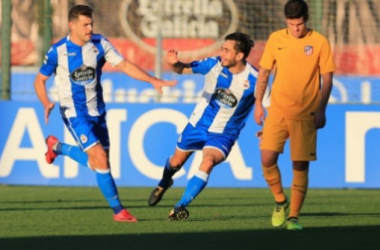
(299, 65)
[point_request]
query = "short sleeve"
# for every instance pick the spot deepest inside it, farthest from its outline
(205, 65)
(50, 62)
(110, 53)
(326, 62)
(268, 59)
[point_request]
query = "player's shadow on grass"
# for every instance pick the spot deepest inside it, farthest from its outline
(326, 238)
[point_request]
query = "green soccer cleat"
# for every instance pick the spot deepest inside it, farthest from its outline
(279, 214)
(292, 224)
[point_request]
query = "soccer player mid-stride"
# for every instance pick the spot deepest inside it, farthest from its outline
(214, 126)
(77, 61)
(298, 105)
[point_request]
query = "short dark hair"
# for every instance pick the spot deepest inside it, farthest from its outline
(296, 9)
(78, 10)
(243, 42)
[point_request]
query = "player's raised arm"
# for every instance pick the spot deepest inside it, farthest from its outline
(262, 83)
(136, 72)
(176, 65)
(40, 88)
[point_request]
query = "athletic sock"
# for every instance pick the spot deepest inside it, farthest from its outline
(282, 202)
(272, 176)
(298, 192)
(193, 188)
(168, 174)
(76, 154)
(108, 187)
(73, 152)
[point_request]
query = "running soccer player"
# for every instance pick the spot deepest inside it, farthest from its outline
(298, 106)
(215, 124)
(77, 62)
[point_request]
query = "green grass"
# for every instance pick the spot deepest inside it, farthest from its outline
(79, 218)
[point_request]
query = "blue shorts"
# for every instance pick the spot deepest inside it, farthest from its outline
(89, 130)
(193, 139)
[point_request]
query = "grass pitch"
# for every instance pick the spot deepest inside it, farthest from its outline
(78, 218)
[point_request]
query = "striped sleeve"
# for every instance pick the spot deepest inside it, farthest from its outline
(110, 53)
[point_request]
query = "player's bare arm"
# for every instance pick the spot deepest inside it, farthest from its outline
(175, 64)
(262, 82)
(40, 88)
(136, 72)
(320, 116)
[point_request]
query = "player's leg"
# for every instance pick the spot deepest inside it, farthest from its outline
(79, 128)
(99, 161)
(91, 134)
(303, 149)
(298, 192)
(197, 183)
(275, 133)
(190, 139)
(172, 166)
(55, 148)
(215, 151)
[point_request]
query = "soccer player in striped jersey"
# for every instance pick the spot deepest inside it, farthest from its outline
(298, 104)
(215, 124)
(77, 62)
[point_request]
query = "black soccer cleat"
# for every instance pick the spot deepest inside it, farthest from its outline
(157, 194)
(178, 213)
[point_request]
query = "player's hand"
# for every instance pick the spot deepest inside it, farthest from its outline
(48, 108)
(171, 56)
(259, 114)
(320, 119)
(158, 84)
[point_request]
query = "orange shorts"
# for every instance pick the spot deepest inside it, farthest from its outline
(302, 135)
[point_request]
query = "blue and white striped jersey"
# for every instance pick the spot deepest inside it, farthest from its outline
(227, 98)
(78, 70)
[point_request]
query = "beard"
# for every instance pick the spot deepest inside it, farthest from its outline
(228, 64)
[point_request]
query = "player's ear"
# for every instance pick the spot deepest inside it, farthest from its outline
(240, 56)
(71, 25)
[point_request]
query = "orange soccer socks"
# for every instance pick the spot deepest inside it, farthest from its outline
(272, 176)
(298, 191)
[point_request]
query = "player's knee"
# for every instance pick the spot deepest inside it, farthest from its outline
(99, 161)
(268, 158)
(208, 162)
(176, 162)
(268, 162)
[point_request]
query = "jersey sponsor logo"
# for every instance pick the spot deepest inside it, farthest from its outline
(308, 50)
(225, 98)
(83, 75)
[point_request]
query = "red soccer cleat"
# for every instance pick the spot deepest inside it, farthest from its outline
(124, 216)
(50, 155)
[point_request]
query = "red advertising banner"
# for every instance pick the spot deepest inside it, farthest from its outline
(362, 60)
